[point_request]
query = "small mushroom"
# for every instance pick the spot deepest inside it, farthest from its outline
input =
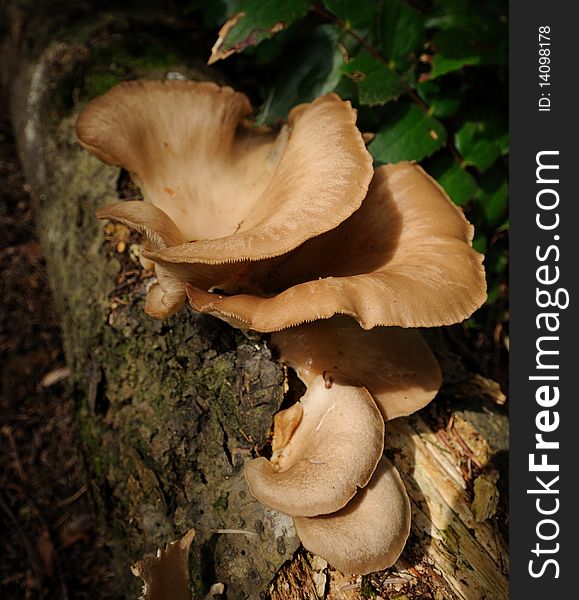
(395, 365)
(235, 193)
(331, 452)
(369, 533)
(403, 259)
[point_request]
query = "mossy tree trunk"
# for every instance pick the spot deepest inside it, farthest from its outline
(170, 411)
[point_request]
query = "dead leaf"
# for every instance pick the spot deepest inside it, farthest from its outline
(216, 52)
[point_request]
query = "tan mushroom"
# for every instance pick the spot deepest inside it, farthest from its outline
(369, 533)
(235, 193)
(395, 365)
(403, 259)
(329, 448)
(285, 225)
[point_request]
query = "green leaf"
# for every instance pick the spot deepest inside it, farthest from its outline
(347, 88)
(402, 31)
(493, 196)
(459, 184)
(449, 14)
(275, 48)
(377, 84)
(444, 101)
(315, 70)
(472, 33)
(256, 21)
(457, 48)
(407, 133)
(482, 139)
(480, 243)
(496, 262)
(356, 14)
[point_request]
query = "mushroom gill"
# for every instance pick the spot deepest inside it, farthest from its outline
(404, 258)
(395, 365)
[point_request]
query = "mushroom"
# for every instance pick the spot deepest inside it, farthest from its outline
(235, 193)
(329, 448)
(369, 533)
(292, 228)
(404, 258)
(395, 365)
(402, 375)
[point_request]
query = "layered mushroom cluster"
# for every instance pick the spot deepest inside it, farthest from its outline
(327, 469)
(294, 232)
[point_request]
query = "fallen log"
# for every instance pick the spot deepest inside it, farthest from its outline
(169, 412)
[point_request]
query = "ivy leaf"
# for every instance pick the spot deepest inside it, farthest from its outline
(314, 70)
(402, 31)
(496, 262)
(355, 14)
(459, 184)
(480, 244)
(407, 133)
(256, 21)
(449, 14)
(482, 140)
(377, 84)
(445, 101)
(471, 33)
(457, 48)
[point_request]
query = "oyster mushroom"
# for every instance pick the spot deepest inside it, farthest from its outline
(235, 193)
(287, 227)
(329, 448)
(369, 533)
(327, 471)
(402, 375)
(404, 258)
(395, 365)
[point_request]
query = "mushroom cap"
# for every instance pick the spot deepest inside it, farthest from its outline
(235, 193)
(395, 365)
(369, 533)
(332, 452)
(403, 259)
(158, 230)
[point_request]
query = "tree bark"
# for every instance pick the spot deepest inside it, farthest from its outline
(169, 412)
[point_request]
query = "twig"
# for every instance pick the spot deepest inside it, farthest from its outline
(74, 497)
(7, 431)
